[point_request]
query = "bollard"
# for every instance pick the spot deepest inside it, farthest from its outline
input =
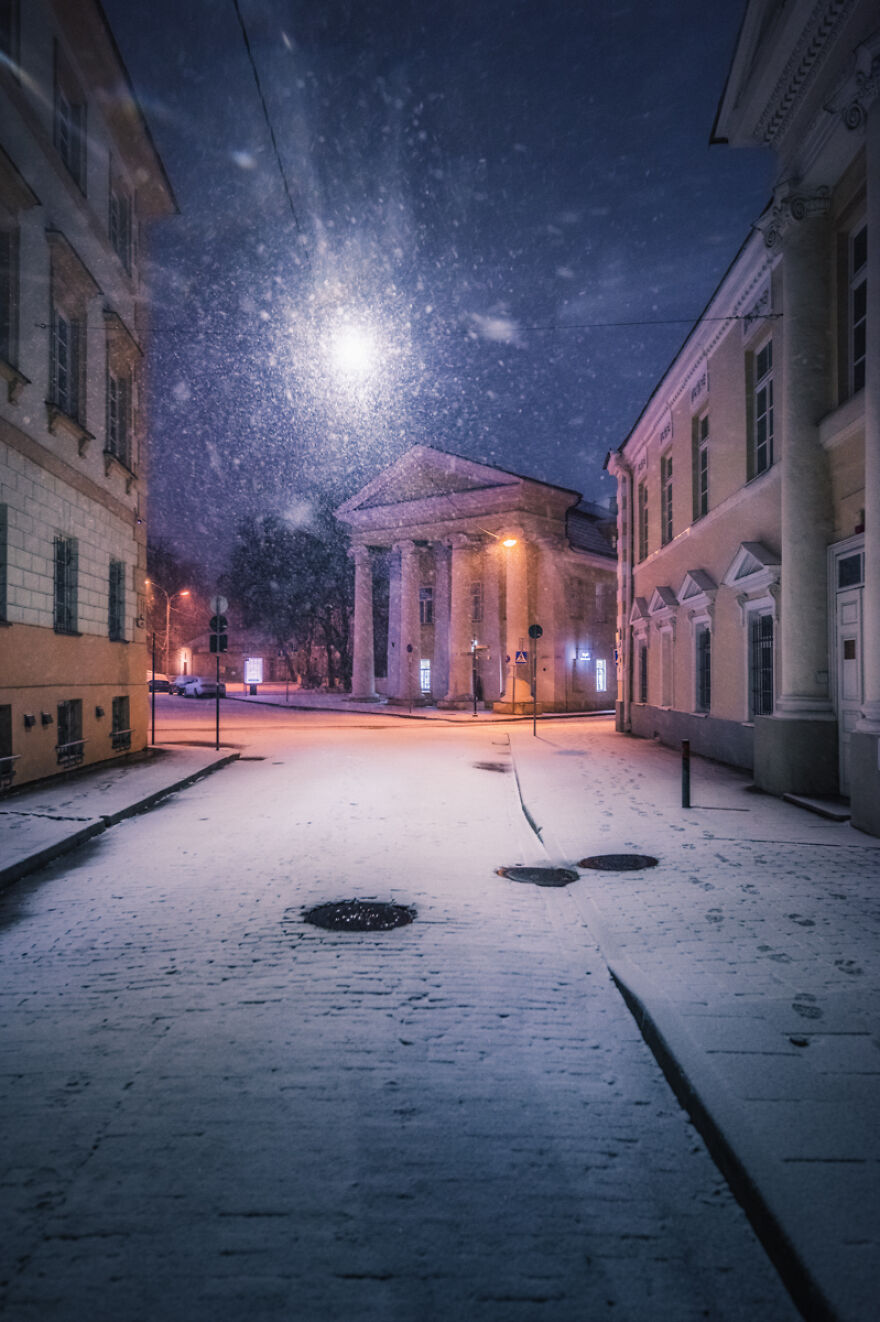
(685, 773)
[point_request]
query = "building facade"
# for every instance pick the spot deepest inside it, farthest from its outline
(454, 562)
(79, 181)
(749, 489)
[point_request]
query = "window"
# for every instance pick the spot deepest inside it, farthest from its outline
(4, 560)
(66, 573)
(666, 497)
(703, 640)
(119, 417)
(642, 672)
(601, 676)
(761, 456)
(69, 749)
(70, 122)
(426, 605)
(425, 675)
(858, 307)
(760, 664)
(643, 520)
(476, 603)
(66, 363)
(701, 465)
(120, 731)
(119, 222)
(666, 663)
(850, 571)
(116, 601)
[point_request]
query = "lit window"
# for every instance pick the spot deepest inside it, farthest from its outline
(425, 675)
(601, 676)
(426, 605)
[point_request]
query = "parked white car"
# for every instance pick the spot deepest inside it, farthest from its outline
(183, 683)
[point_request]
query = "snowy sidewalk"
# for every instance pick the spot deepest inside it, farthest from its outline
(749, 954)
(38, 825)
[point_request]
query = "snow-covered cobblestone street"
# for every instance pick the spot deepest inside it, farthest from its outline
(215, 1111)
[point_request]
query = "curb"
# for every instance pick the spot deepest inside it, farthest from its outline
(793, 1270)
(33, 862)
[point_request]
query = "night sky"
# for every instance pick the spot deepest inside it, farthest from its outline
(477, 189)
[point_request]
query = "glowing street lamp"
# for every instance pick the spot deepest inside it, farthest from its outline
(169, 597)
(353, 351)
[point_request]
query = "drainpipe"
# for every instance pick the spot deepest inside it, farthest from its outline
(620, 469)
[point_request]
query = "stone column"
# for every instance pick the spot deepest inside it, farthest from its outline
(493, 668)
(363, 675)
(394, 647)
(460, 628)
(796, 747)
(864, 115)
(440, 659)
(410, 628)
(517, 618)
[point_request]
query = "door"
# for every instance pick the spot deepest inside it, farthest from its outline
(848, 658)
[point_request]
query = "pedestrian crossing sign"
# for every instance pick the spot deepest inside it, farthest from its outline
(521, 658)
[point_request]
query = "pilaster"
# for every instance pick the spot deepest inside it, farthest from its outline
(363, 676)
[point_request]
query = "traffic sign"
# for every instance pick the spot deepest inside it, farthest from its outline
(521, 658)
(535, 631)
(219, 605)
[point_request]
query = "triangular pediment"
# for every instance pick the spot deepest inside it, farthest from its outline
(423, 474)
(752, 563)
(639, 610)
(662, 599)
(697, 587)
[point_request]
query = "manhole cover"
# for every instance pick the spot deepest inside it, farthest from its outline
(618, 862)
(359, 916)
(540, 876)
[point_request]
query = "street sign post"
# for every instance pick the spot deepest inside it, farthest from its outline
(219, 642)
(535, 632)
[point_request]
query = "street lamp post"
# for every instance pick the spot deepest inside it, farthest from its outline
(169, 597)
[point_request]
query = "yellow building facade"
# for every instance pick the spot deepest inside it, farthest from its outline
(80, 180)
(749, 489)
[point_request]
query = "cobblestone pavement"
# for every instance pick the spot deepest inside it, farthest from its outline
(215, 1112)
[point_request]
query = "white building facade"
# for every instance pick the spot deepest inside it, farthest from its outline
(749, 489)
(455, 563)
(79, 182)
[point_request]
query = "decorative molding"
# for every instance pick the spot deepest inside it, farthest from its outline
(111, 460)
(697, 593)
(15, 380)
(790, 208)
(808, 56)
(59, 421)
(753, 568)
(761, 308)
(861, 88)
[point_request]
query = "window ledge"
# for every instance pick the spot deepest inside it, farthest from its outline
(15, 380)
(111, 460)
(68, 633)
(61, 421)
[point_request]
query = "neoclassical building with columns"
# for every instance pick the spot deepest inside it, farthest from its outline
(749, 488)
(455, 561)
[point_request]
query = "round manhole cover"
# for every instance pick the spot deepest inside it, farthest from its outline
(359, 916)
(618, 862)
(540, 876)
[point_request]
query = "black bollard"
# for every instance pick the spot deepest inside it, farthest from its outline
(685, 773)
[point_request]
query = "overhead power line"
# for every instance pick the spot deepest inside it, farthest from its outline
(267, 117)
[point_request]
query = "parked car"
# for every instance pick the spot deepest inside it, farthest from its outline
(183, 683)
(158, 683)
(206, 688)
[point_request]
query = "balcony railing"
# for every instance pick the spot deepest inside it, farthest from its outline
(120, 739)
(71, 753)
(7, 770)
